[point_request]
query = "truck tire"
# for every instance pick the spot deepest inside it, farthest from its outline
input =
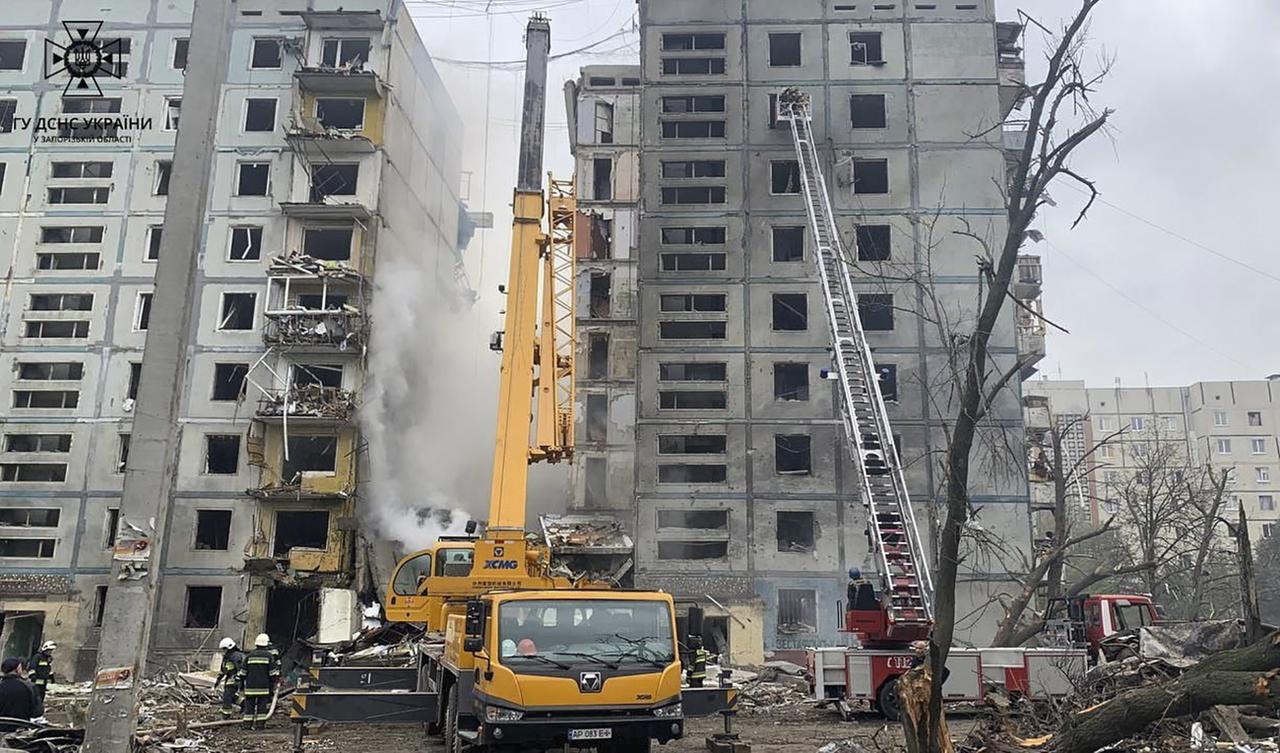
(450, 724)
(887, 700)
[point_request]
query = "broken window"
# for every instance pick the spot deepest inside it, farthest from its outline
(597, 418)
(172, 113)
(81, 169)
(179, 60)
(8, 109)
(692, 444)
(237, 311)
(110, 527)
(784, 49)
(213, 530)
(887, 378)
(599, 295)
(89, 128)
(310, 454)
(99, 605)
(334, 180)
(693, 129)
(142, 312)
(66, 261)
(30, 517)
(155, 234)
(864, 48)
(693, 302)
(694, 195)
(693, 169)
(692, 330)
(867, 110)
(693, 236)
(597, 356)
(229, 380)
(31, 472)
(204, 607)
(691, 473)
(698, 519)
(692, 550)
(72, 234)
(79, 195)
(328, 243)
(305, 529)
(692, 372)
(52, 399)
(345, 53)
(795, 531)
(791, 381)
(872, 242)
(321, 302)
(604, 123)
(37, 443)
(253, 178)
(222, 453)
(246, 243)
(122, 452)
(693, 262)
(693, 41)
(790, 312)
(259, 115)
(602, 178)
(788, 244)
(691, 400)
(692, 66)
(317, 375)
(29, 548)
(596, 482)
(340, 113)
(58, 329)
(51, 371)
(12, 54)
(791, 454)
(693, 103)
(135, 379)
(797, 611)
(876, 311)
(266, 53)
(601, 237)
(61, 301)
(870, 176)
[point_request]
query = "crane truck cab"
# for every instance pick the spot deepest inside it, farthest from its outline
(542, 669)
(1105, 624)
(421, 579)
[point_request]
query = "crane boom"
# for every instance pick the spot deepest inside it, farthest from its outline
(906, 603)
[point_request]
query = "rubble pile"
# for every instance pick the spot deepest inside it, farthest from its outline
(340, 327)
(774, 685)
(310, 401)
(298, 263)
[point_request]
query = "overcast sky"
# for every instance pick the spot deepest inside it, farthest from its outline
(1194, 150)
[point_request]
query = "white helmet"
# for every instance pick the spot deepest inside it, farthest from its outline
(48, 646)
(262, 640)
(226, 643)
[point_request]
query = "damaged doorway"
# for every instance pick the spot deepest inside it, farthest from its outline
(21, 633)
(293, 614)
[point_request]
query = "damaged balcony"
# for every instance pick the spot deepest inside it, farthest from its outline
(300, 546)
(311, 403)
(1026, 284)
(1011, 67)
(303, 462)
(338, 125)
(1031, 332)
(315, 302)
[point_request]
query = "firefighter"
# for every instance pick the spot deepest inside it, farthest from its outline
(40, 669)
(229, 674)
(698, 668)
(258, 677)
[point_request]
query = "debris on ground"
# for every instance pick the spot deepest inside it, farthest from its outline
(774, 685)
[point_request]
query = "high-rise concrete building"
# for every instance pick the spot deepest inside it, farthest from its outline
(1228, 425)
(743, 491)
(338, 148)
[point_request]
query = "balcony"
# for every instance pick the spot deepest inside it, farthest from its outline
(308, 402)
(1031, 348)
(310, 304)
(1011, 68)
(1027, 278)
(347, 80)
(329, 210)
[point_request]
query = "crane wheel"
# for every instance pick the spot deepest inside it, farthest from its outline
(451, 721)
(887, 700)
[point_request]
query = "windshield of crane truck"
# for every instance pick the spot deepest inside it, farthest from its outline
(1130, 615)
(567, 631)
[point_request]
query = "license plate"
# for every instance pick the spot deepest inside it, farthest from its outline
(593, 733)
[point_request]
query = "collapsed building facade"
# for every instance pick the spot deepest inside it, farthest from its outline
(338, 146)
(705, 422)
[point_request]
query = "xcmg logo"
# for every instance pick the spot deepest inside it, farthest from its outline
(500, 564)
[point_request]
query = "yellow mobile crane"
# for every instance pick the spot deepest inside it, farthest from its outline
(527, 660)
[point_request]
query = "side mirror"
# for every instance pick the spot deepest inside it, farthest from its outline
(472, 643)
(474, 639)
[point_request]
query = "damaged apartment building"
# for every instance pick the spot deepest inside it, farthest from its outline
(706, 424)
(337, 147)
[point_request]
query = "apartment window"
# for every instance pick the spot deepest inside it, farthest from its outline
(692, 66)
(887, 379)
(37, 443)
(1137, 423)
(253, 178)
(172, 113)
(876, 311)
(597, 418)
(110, 527)
(267, 53)
(86, 128)
(1220, 418)
(155, 233)
(693, 236)
(237, 312)
(872, 242)
(692, 372)
(59, 329)
(81, 169)
(72, 234)
(691, 473)
(1258, 446)
(164, 169)
(345, 53)
(604, 121)
(340, 113)
(693, 302)
(119, 50)
(1170, 423)
(135, 379)
(310, 454)
(316, 375)
(693, 129)
(221, 453)
(598, 356)
(865, 48)
(229, 381)
(79, 195)
(773, 111)
(1268, 530)
(693, 103)
(56, 371)
(867, 111)
(870, 176)
(179, 60)
(12, 54)
(784, 177)
(99, 605)
(691, 400)
(27, 548)
(791, 454)
(797, 611)
(1104, 423)
(142, 312)
(259, 115)
(694, 195)
(692, 444)
(788, 244)
(795, 531)
(1262, 475)
(1224, 446)
(1266, 502)
(33, 472)
(204, 607)
(30, 517)
(602, 178)
(1255, 418)
(791, 382)
(693, 550)
(213, 530)
(596, 484)
(598, 298)
(61, 301)
(790, 312)
(691, 330)
(246, 243)
(328, 243)
(8, 108)
(784, 49)
(692, 42)
(334, 180)
(708, 520)
(50, 399)
(300, 529)
(693, 169)
(122, 453)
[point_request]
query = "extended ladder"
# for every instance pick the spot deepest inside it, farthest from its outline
(894, 538)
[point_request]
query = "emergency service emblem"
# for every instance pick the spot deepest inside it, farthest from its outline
(590, 682)
(83, 59)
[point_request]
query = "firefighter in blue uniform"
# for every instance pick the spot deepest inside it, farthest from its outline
(229, 674)
(258, 677)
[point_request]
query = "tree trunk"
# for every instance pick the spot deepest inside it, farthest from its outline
(1252, 611)
(913, 698)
